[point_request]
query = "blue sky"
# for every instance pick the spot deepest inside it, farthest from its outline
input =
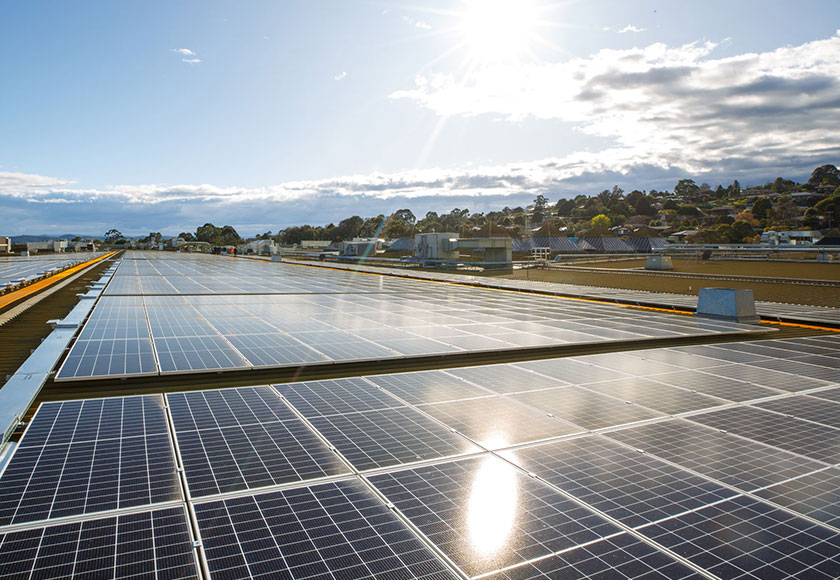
(164, 115)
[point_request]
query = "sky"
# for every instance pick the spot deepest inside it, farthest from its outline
(161, 116)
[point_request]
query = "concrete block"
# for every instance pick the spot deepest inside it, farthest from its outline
(658, 262)
(276, 258)
(727, 304)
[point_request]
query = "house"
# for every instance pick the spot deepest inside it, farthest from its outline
(792, 238)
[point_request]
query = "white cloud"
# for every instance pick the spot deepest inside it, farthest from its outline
(340, 76)
(631, 28)
(423, 25)
(666, 106)
(190, 57)
(14, 183)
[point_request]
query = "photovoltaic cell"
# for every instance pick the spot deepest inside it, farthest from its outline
(329, 531)
(656, 396)
(197, 353)
(155, 545)
(497, 422)
(485, 515)
(745, 538)
(716, 386)
(84, 457)
(505, 379)
(816, 495)
(572, 371)
(621, 557)
(738, 462)
(389, 437)
(800, 370)
(245, 438)
(632, 487)
(103, 358)
(805, 407)
(766, 377)
(828, 394)
(428, 387)
(794, 435)
(338, 397)
(585, 408)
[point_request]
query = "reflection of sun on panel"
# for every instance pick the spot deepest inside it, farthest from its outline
(491, 511)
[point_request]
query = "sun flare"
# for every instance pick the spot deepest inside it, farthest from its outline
(498, 30)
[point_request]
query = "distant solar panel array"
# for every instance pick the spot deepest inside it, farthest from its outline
(15, 270)
(258, 315)
(691, 462)
(772, 310)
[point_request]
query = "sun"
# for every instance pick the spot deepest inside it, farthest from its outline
(498, 30)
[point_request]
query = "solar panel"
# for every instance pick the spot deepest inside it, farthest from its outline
(795, 435)
(744, 464)
(197, 353)
(745, 538)
(84, 457)
(630, 486)
(155, 544)
(585, 408)
(428, 387)
(828, 394)
(656, 396)
(572, 371)
(334, 530)
(104, 358)
(486, 515)
(766, 377)
(505, 379)
(805, 407)
(816, 495)
(716, 386)
(245, 438)
(621, 557)
(342, 396)
(801, 369)
(389, 437)
(497, 422)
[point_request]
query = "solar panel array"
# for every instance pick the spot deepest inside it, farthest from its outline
(772, 310)
(17, 269)
(199, 314)
(569, 467)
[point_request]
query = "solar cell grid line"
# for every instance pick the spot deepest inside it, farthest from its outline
(831, 360)
(623, 483)
(621, 557)
(730, 459)
(152, 544)
(746, 538)
(496, 422)
(656, 396)
(804, 407)
(87, 457)
(506, 379)
(718, 386)
(677, 357)
(815, 495)
(629, 363)
(795, 435)
(387, 437)
(585, 408)
(336, 397)
(831, 394)
(485, 514)
(245, 438)
(766, 377)
(417, 388)
(326, 531)
(718, 352)
(571, 370)
(801, 369)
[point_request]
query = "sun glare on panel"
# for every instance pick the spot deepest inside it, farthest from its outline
(498, 30)
(491, 511)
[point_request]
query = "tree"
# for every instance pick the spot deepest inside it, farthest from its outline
(229, 236)
(112, 235)
(210, 234)
(564, 207)
(405, 215)
(785, 210)
(349, 228)
(186, 236)
(761, 208)
(600, 222)
(782, 185)
(824, 175)
(686, 188)
(742, 230)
